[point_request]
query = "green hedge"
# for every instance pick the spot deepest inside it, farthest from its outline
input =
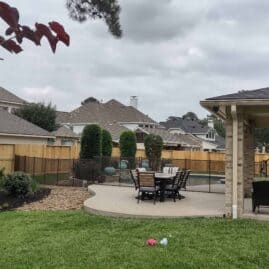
(91, 142)
(153, 149)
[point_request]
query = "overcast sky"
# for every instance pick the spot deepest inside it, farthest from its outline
(172, 55)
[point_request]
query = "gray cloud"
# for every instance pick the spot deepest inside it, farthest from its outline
(172, 55)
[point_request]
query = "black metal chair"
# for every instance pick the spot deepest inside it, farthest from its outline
(174, 188)
(185, 179)
(146, 186)
(134, 178)
(260, 194)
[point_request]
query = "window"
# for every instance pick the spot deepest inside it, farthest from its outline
(67, 142)
(211, 135)
(50, 141)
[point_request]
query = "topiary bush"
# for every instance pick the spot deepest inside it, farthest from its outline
(19, 184)
(107, 144)
(153, 149)
(2, 177)
(91, 142)
(128, 146)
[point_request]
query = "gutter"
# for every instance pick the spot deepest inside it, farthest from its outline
(26, 135)
(235, 163)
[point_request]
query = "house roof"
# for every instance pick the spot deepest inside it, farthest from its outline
(13, 125)
(6, 96)
(62, 116)
(191, 126)
(169, 138)
(220, 141)
(258, 94)
(64, 131)
(93, 111)
(115, 130)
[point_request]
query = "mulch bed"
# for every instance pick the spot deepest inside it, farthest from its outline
(47, 198)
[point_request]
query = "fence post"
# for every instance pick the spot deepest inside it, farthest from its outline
(209, 174)
(24, 170)
(58, 162)
(34, 167)
(45, 170)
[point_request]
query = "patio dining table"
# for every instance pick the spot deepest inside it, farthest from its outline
(163, 179)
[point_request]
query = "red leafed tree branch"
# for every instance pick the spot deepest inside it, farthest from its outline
(15, 33)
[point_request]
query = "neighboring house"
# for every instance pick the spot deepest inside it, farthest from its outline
(117, 118)
(210, 140)
(64, 137)
(9, 101)
(15, 130)
(170, 140)
(92, 111)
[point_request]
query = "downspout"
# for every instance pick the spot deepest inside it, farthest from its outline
(235, 161)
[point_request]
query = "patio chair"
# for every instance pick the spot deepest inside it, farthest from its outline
(170, 170)
(174, 188)
(134, 178)
(185, 179)
(260, 194)
(167, 169)
(146, 186)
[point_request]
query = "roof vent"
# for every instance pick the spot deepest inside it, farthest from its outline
(134, 101)
(89, 100)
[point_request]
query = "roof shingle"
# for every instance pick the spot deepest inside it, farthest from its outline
(262, 93)
(12, 124)
(64, 131)
(190, 126)
(111, 112)
(6, 96)
(170, 138)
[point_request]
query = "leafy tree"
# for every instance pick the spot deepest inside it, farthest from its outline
(39, 114)
(16, 33)
(107, 10)
(106, 143)
(153, 148)
(91, 142)
(262, 137)
(128, 144)
(190, 115)
(219, 127)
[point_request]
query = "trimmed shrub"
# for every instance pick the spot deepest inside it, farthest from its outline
(106, 143)
(19, 184)
(128, 146)
(2, 177)
(153, 149)
(91, 142)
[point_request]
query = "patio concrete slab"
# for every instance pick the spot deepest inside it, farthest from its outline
(121, 201)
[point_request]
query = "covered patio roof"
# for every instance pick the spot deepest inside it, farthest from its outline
(254, 104)
(242, 112)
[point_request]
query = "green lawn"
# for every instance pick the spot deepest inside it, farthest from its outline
(74, 239)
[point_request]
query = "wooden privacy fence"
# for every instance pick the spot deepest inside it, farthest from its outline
(8, 153)
(195, 160)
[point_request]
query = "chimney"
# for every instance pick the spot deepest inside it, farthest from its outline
(210, 122)
(134, 101)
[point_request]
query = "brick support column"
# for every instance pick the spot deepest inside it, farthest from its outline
(249, 159)
(228, 166)
(245, 162)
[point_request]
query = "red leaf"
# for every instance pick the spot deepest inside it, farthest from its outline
(59, 30)
(28, 33)
(11, 46)
(43, 30)
(9, 31)
(9, 14)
